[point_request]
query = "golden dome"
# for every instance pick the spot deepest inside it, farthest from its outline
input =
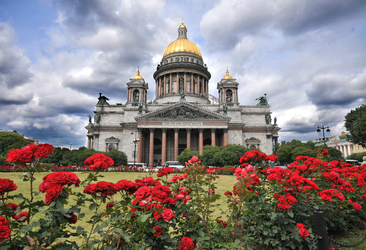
(182, 44)
(182, 26)
(137, 76)
(227, 75)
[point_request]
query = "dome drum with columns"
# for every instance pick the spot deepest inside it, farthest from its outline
(183, 113)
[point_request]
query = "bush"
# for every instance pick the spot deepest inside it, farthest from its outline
(267, 207)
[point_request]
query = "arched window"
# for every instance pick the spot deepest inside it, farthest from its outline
(229, 95)
(136, 96)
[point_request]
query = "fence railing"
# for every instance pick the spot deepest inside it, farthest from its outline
(322, 240)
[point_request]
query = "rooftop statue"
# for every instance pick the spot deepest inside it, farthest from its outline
(262, 100)
(224, 107)
(102, 100)
(182, 95)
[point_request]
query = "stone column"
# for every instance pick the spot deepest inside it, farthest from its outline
(177, 83)
(198, 84)
(163, 146)
(160, 94)
(200, 141)
(213, 137)
(219, 95)
(139, 147)
(188, 138)
(156, 89)
(89, 141)
(176, 130)
(151, 149)
(223, 95)
(348, 149)
(225, 137)
(171, 83)
(185, 83)
(192, 86)
(164, 85)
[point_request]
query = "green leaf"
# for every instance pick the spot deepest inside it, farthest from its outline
(92, 206)
(291, 214)
(144, 217)
(26, 229)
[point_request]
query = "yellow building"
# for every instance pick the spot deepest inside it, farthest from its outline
(346, 147)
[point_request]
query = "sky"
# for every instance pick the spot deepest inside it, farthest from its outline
(57, 56)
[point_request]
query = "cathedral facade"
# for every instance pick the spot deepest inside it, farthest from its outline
(183, 113)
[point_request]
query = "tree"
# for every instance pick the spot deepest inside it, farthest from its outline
(288, 151)
(284, 152)
(355, 124)
(119, 157)
(211, 156)
(10, 140)
(187, 155)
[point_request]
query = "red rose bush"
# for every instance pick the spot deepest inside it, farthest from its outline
(267, 207)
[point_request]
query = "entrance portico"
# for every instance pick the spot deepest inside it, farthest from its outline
(164, 134)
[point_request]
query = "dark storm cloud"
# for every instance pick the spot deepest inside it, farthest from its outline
(87, 15)
(226, 23)
(335, 90)
(14, 65)
(5, 100)
(308, 15)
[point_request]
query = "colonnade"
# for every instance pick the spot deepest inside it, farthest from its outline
(197, 84)
(156, 133)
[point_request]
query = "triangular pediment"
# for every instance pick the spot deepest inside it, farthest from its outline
(183, 111)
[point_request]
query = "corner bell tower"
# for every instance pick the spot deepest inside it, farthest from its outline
(228, 90)
(137, 90)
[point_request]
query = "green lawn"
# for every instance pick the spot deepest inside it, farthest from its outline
(224, 183)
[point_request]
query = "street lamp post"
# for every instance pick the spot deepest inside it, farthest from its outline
(135, 151)
(326, 128)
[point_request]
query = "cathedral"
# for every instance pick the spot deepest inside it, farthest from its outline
(183, 113)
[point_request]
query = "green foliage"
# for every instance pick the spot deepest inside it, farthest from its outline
(221, 156)
(56, 156)
(211, 156)
(302, 151)
(187, 155)
(357, 156)
(288, 151)
(119, 157)
(355, 123)
(8, 141)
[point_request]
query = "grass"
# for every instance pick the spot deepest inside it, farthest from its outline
(224, 183)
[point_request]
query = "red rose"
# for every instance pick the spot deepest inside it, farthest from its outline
(357, 206)
(142, 193)
(157, 215)
(187, 244)
(13, 206)
(158, 231)
(168, 214)
(53, 193)
(21, 217)
(228, 193)
(304, 233)
(20, 155)
(43, 150)
(300, 225)
(7, 185)
(98, 162)
(4, 229)
(72, 219)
